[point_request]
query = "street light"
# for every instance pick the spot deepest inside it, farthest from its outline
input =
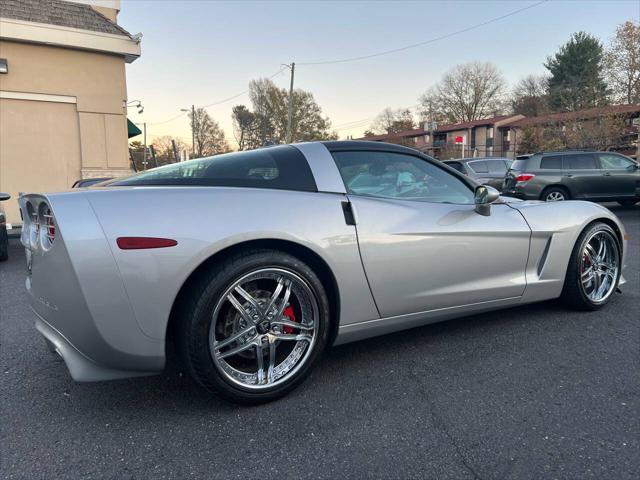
(193, 128)
(137, 104)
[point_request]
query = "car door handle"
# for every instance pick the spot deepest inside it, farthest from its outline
(606, 174)
(569, 175)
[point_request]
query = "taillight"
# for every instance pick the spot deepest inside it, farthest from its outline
(524, 177)
(47, 226)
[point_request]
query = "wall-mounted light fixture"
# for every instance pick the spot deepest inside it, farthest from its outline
(4, 65)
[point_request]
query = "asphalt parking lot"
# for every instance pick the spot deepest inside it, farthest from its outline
(527, 393)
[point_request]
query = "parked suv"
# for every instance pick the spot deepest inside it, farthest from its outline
(554, 176)
(485, 170)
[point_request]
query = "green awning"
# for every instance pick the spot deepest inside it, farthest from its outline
(132, 130)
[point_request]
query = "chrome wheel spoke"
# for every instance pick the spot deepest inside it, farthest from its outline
(285, 322)
(587, 276)
(272, 362)
(229, 340)
(602, 250)
(276, 294)
(238, 306)
(252, 301)
(293, 337)
(260, 360)
(236, 350)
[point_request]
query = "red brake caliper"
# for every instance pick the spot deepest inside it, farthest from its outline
(288, 312)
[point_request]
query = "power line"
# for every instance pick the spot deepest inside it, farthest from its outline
(214, 103)
(426, 42)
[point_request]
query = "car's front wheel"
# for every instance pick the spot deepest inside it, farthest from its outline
(254, 326)
(594, 268)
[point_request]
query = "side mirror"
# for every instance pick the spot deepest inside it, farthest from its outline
(4, 196)
(484, 196)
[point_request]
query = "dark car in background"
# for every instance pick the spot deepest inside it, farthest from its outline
(579, 175)
(88, 182)
(485, 170)
(4, 237)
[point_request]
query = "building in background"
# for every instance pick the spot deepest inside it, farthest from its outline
(62, 94)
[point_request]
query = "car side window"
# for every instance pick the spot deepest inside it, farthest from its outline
(496, 166)
(611, 161)
(479, 166)
(552, 162)
(581, 162)
(400, 176)
(457, 165)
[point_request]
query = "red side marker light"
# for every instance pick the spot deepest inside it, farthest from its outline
(140, 243)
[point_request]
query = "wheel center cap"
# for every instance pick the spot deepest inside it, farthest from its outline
(263, 327)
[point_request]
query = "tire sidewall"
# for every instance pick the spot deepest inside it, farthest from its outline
(202, 365)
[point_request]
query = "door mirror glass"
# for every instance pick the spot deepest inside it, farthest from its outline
(484, 196)
(4, 196)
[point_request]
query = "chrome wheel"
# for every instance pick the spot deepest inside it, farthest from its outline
(555, 196)
(264, 328)
(599, 266)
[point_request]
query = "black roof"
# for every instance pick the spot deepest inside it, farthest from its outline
(59, 12)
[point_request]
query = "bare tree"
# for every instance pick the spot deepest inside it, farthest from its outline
(164, 148)
(209, 137)
(393, 121)
(531, 96)
(468, 92)
(622, 63)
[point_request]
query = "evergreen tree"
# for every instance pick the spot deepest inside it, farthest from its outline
(576, 80)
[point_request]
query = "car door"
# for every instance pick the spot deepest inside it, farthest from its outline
(620, 176)
(424, 247)
(581, 175)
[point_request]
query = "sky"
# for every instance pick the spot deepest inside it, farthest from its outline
(203, 52)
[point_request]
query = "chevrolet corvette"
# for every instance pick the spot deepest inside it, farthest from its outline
(252, 263)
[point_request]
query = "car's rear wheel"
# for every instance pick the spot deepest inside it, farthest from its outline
(594, 268)
(254, 326)
(554, 194)
(628, 203)
(4, 244)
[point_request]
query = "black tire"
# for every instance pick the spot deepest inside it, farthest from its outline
(557, 191)
(573, 294)
(4, 244)
(628, 203)
(195, 316)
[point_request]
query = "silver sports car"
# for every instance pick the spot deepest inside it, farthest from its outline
(252, 263)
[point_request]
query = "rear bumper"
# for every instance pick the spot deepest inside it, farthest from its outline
(520, 193)
(81, 367)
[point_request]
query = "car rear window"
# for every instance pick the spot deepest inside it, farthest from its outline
(519, 165)
(282, 167)
(496, 166)
(552, 162)
(479, 166)
(581, 162)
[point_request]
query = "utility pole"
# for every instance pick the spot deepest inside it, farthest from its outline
(144, 153)
(193, 130)
(290, 116)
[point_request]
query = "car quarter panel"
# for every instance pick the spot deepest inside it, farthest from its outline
(76, 289)
(556, 227)
(204, 221)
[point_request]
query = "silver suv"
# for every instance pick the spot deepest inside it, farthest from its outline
(554, 176)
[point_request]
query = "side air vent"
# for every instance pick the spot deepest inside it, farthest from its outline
(543, 258)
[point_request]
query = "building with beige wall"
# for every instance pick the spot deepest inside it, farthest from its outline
(63, 96)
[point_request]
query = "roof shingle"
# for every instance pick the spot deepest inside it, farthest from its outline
(59, 12)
